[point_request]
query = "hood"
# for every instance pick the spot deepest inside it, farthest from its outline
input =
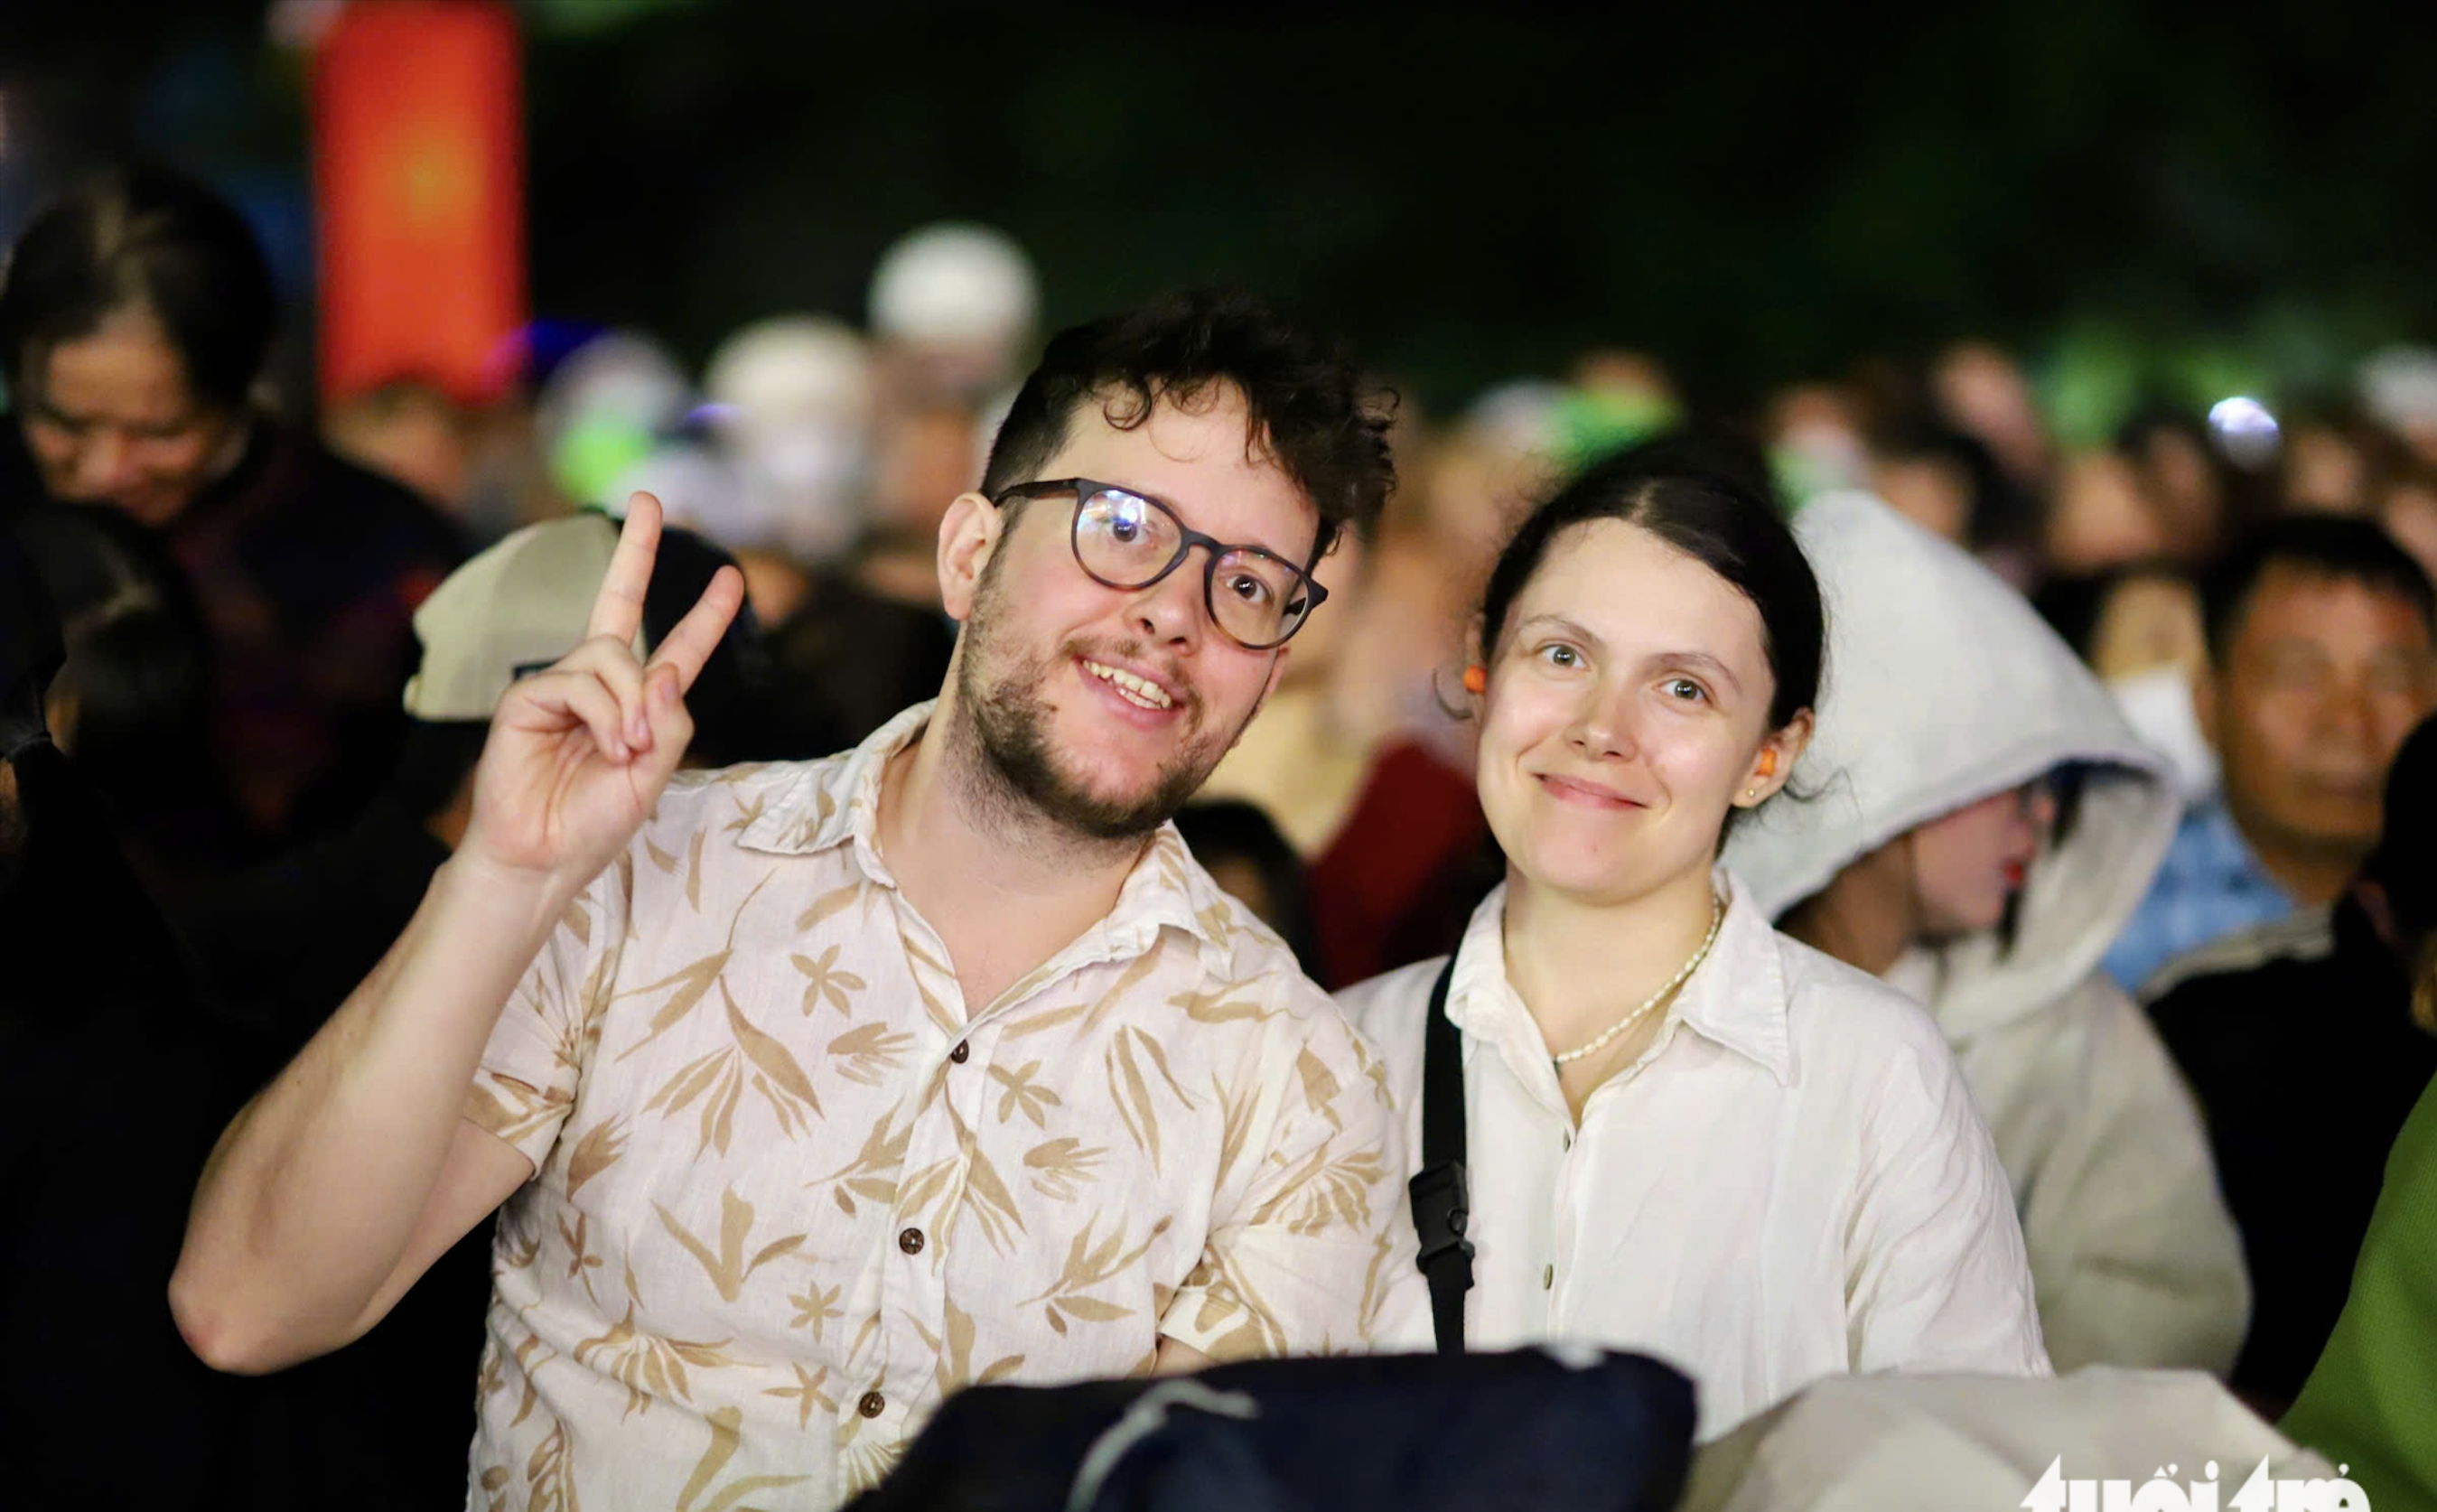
(1944, 686)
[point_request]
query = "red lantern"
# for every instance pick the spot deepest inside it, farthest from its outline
(418, 138)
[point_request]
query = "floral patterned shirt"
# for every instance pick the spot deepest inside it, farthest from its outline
(791, 1189)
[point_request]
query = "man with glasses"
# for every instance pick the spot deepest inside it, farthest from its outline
(833, 1087)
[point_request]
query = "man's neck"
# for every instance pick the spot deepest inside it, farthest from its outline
(2311, 874)
(1004, 885)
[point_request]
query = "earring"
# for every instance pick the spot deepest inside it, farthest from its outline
(1476, 680)
(1750, 793)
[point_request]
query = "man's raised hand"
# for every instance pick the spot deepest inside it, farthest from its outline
(578, 754)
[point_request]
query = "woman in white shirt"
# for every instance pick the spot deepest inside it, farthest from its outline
(1686, 1133)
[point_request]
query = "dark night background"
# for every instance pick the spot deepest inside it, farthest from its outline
(1754, 195)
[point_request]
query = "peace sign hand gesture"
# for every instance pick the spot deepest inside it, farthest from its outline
(579, 753)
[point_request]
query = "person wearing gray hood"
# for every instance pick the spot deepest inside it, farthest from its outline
(1974, 822)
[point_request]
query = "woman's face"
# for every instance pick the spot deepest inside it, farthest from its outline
(2149, 620)
(110, 420)
(1969, 863)
(1627, 708)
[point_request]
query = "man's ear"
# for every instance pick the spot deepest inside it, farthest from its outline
(968, 535)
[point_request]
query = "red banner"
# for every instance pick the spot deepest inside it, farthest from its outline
(418, 176)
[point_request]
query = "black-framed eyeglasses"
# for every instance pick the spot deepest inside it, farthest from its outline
(1124, 539)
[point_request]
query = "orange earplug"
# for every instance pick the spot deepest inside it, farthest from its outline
(1768, 762)
(1476, 680)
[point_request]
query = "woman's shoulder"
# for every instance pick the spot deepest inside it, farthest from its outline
(1834, 1007)
(1389, 1008)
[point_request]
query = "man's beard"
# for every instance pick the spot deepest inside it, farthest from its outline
(1008, 725)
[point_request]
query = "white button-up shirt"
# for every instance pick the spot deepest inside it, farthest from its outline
(1791, 1183)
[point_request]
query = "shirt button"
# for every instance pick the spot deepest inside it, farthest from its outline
(872, 1405)
(1547, 1277)
(963, 1053)
(911, 1243)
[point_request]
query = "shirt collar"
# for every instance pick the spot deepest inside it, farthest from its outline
(1736, 999)
(836, 803)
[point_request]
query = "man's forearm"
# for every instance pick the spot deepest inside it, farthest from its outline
(308, 1203)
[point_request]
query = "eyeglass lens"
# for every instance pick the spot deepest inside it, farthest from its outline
(1127, 541)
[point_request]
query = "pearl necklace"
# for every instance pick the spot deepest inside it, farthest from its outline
(1717, 917)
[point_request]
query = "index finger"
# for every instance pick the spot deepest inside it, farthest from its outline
(617, 609)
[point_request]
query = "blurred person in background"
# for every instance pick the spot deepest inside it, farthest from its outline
(2397, 388)
(131, 706)
(413, 431)
(2101, 516)
(1979, 820)
(2139, 628)
(602, 407)
(1978, 388)
(2335, 457)
(2300, 1041)
(2366, 1403)
(109, 1087)
(389, 1417)
(2207, 490)
(2405, 503)
(2319, 632)
(953, 310)
(1815, 437)
(927, 453)
(1951, 485)
(134, 322)
(792, 402)
(1685, 1134)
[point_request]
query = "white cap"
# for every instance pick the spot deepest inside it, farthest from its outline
(791, 370)
(2399, 387)
(953, 283)
(516, 608)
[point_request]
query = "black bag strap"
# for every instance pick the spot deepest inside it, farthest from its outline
(1441, 1193)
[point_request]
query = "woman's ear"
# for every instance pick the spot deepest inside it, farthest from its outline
(968, 534)
(1773, 763)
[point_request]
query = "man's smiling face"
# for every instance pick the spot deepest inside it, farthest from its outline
(1108, 708)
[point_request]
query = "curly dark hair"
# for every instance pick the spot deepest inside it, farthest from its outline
(1310, 407)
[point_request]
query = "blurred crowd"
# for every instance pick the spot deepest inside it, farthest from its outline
(283, 626)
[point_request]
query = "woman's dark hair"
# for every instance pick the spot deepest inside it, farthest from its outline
(1698, 495)
(142, 237)
(1311, 405)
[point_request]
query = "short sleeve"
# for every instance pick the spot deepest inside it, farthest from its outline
(1310, 1248)
(526, 1082)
